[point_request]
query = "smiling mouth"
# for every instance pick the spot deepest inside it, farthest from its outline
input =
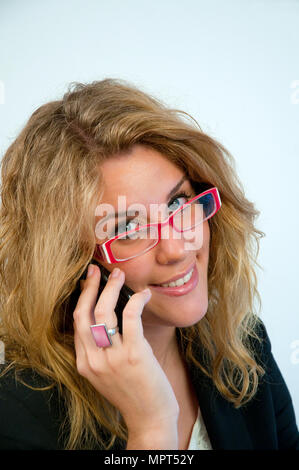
(180, 287)
(180, 281)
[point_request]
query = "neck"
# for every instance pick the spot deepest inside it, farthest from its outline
(163, 342)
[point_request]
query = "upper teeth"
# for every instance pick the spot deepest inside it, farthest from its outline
(179, 282)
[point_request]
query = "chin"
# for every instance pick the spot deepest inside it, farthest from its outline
(191, 317)
(179, 314)
(191, 310)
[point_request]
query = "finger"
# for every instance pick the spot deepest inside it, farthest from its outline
(81, 358)
(89, 289)
(84, 310)
(132, 329)
(105, 308)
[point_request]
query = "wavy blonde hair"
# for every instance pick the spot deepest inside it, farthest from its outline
(51, 182)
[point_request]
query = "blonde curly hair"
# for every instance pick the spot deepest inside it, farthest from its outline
(51, 182)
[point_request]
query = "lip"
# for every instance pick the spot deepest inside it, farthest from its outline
(178, 276)
(181, 290)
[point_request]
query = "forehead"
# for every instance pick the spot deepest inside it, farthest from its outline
(142, 175)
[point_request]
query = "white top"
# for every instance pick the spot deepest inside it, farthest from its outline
(199, 438)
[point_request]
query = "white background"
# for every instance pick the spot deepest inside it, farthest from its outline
(232, 64)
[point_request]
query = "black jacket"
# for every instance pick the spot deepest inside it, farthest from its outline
(31, 419)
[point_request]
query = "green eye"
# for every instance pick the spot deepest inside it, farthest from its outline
(177, 204)
(134, 225)
(127, 226)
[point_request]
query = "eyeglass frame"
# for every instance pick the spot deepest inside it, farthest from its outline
(104, 252)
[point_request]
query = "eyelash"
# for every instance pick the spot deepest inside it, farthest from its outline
(179, 195)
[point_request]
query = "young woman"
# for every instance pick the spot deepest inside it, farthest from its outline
(186, 363)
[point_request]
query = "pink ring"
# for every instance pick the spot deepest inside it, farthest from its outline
(102, 335)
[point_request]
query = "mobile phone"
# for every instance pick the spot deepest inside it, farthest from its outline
(124, 295)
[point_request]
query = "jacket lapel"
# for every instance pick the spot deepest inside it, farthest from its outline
(226, 426)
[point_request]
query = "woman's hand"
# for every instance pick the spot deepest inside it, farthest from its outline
(127, 374)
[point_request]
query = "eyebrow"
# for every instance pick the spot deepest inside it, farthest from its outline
(168, 197)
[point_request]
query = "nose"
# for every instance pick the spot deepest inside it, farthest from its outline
(171, 247)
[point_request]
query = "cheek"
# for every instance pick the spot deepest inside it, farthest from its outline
(137, 272)
(206, 233)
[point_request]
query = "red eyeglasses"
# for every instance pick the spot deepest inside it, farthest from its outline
(140, 240)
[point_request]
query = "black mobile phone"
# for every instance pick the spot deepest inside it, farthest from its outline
(124, 295)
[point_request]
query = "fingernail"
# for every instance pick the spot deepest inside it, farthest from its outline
(147, 294)
(90, 270)
(115, 273)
